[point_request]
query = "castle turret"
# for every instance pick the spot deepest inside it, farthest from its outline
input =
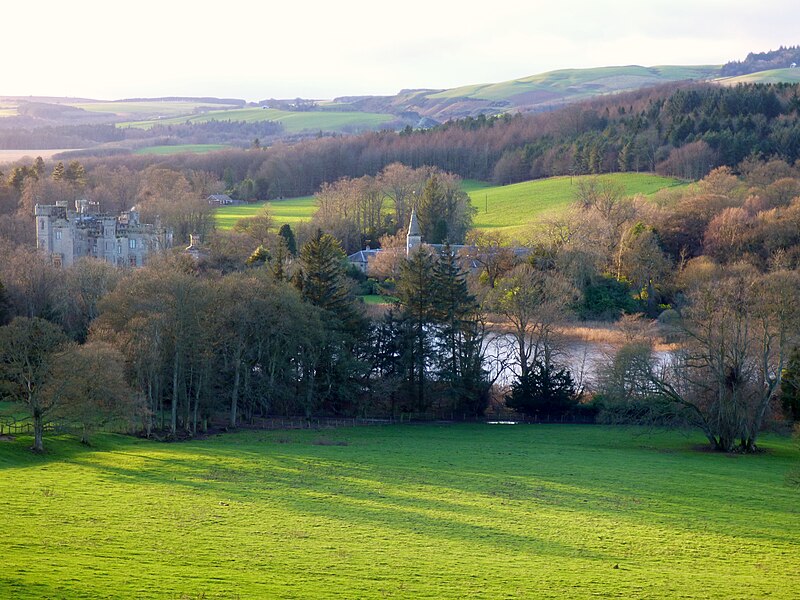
(414, 236)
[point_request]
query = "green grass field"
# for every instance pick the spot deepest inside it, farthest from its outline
(291, 210)
(179, 148)
(771, 76)
(378, 299)
(510, 207)
(464, 511)
(293, 122)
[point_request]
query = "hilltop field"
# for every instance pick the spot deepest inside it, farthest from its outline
(402, 511)
(293, 122)
(508, 208)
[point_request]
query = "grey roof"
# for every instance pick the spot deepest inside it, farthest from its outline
(223, 199)
(413, 225)
(362, 256)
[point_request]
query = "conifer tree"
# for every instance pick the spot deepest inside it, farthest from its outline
(459, 337)
(322, 281)
(287, 234)
(38, 167)
(322, 277)
(58, 172)
(416, 293)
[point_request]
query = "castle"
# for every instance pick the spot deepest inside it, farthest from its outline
(66, 235)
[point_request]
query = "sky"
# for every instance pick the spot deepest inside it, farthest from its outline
(322, 49)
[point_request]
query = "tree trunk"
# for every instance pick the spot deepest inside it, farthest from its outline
(38, 431)
(235, 396)
(173, 425)
(196, 405)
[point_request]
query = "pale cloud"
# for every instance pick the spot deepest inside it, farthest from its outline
(322, 49)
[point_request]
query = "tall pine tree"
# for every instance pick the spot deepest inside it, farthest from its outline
(323, 282)
(459, 338)
(416, 293)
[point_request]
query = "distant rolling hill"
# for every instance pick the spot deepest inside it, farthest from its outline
(293, 122)
(237, 122)
(537, 92)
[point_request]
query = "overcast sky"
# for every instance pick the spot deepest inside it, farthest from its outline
(322, 49)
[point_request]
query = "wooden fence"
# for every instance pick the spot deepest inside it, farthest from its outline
(26, 428)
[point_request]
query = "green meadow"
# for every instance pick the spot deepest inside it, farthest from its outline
(404, 511)
(291, 210)
(180, 148)
(509, 208)
(293, 122)
(771, 76)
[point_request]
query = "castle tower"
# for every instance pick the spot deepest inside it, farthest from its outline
(414, 236)
(44, 228)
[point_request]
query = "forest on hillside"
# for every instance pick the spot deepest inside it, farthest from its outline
(781, 58)
(680, 130)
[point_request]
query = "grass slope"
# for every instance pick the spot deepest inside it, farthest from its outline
(293, 122)
(291, 210)
(472, 511)
(771, 76)
(510, 207)
(578, 83)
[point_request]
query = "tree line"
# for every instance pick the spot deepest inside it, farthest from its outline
(268, 323)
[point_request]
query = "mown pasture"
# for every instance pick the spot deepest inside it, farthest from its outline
(293, 122)
(290, 210)
(508, 208)
(511, 207)
(409, 511)
(789, 75)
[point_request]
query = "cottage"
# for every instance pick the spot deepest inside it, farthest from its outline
(466, 254)
(223, 200)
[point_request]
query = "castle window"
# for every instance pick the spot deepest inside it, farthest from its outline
(132, 244)
(41, 224)
(132, 260)
(119, 248)
(58, 234)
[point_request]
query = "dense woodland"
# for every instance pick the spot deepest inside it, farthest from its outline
(269, 323)
(781, 58)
